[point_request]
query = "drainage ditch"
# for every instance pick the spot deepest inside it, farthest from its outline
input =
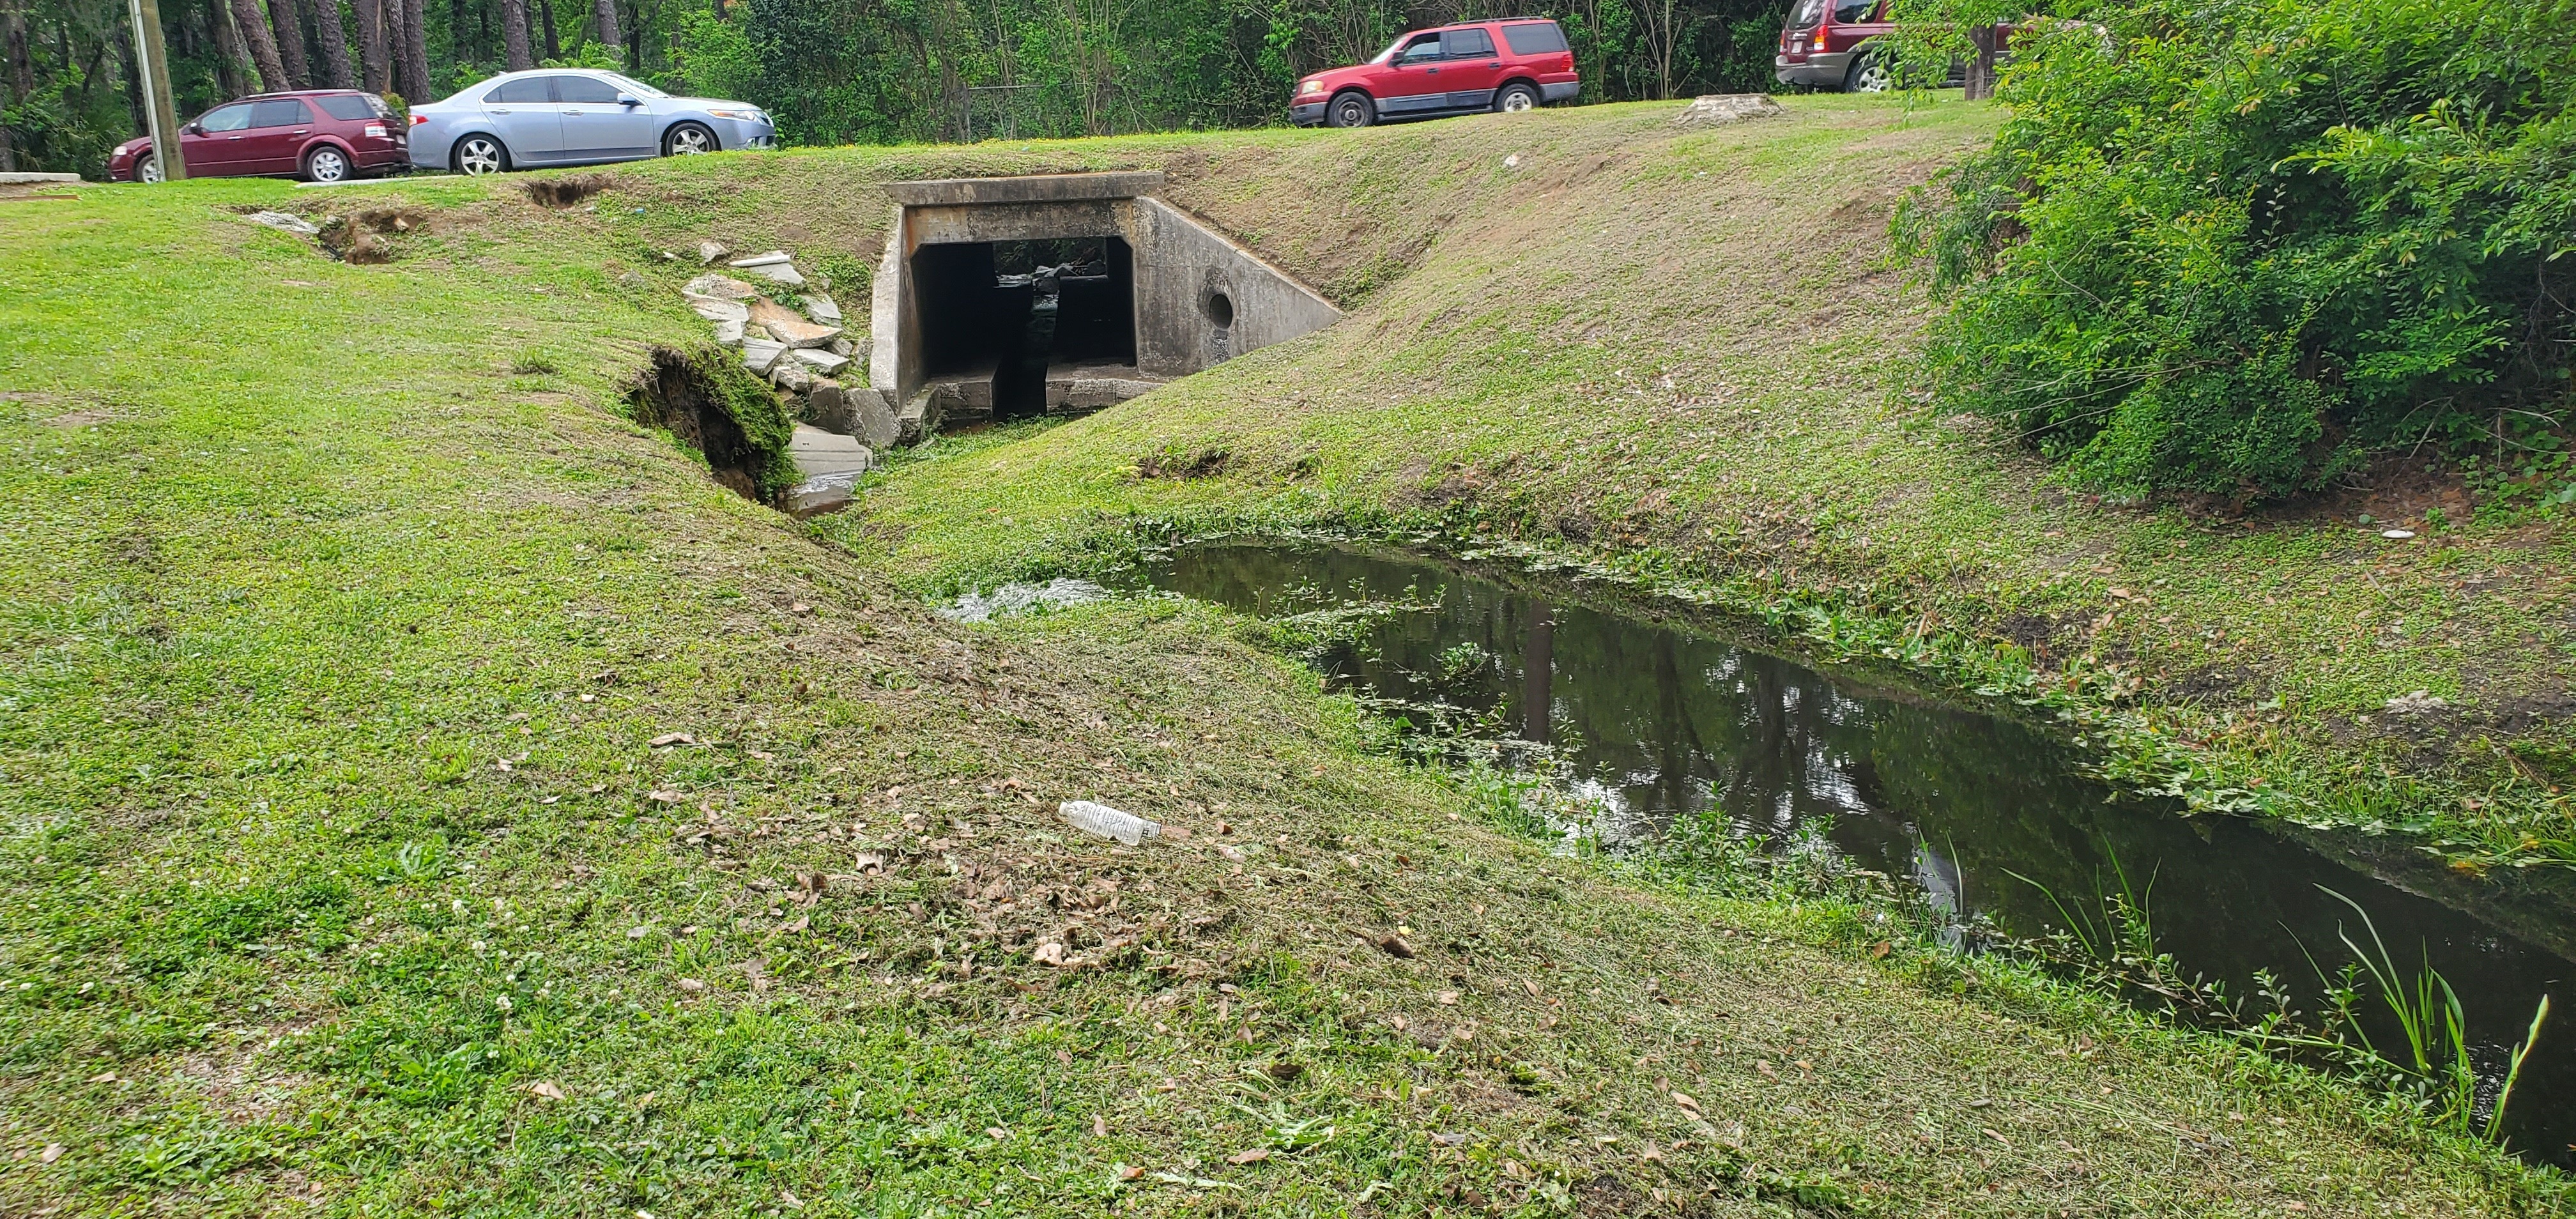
(1664, 729)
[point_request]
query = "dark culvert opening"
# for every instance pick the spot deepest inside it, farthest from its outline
(1006, 312)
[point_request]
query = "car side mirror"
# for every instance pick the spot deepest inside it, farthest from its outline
(629, 99)
(192, 129)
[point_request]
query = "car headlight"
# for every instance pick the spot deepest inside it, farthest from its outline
(1312, 86)
(748, 116)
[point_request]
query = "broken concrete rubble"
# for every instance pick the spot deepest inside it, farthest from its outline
(709, 251)
(1720, 109)
(775, 265)
(792, 375)
(722, 286)
(285, 222)
(821, 309)
(759, 354)
(822, 362)
(718, 309)
(789, 327)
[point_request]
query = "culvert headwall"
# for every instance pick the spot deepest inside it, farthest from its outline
(1189, 297)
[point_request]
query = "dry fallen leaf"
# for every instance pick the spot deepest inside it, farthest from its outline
(1685, 1100)
(51, 1153)
(1253, 1155)
(637, 933)
(103, 1077)
(1879, 950)
(1765, 1069)
(1448, 998)
(1049, 953)
(668, 739)
(1129, 1172)
(1099, 1126)
(546, 1088)
(664, 796)
(692, 985)
(1396, 947)
(996, 1133)
(871, 862)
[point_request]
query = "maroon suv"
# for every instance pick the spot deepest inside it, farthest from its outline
(319, 135)
(1509, 65)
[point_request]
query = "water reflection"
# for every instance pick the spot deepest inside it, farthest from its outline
(1663, 723)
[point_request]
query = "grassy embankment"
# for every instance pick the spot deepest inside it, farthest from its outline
(343, 612)
(1686, 356)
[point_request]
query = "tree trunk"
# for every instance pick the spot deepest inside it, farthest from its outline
(232, 63)
(609, 35)
(289, 28)
(514, 36)
(373, 68)
(13, 42)
(251, 26)
(133, 90)
(554, 34)
(333, 40)
(415, 50)
(1981, 66)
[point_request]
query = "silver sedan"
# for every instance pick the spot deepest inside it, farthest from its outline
(575, 116)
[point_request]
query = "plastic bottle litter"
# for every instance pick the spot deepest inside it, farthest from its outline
(1107, 822)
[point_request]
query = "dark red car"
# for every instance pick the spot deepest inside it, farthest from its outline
(1825, 45)
(319, 135)
(1509, 66)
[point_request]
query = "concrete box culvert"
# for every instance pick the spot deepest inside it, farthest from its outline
(969, 320)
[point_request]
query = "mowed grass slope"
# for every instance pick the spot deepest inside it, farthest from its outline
(1689, 353)
(411, 771)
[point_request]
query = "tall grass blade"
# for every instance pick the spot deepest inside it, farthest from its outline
(2513, 1073)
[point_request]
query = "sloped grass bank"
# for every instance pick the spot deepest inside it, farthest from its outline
(427, 792)
(1687, 356)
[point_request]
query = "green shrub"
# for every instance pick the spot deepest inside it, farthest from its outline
(2240, 246)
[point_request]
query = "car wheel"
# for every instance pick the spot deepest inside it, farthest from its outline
(1515, 99)
(1350, 110)
(1870, 74)
(688, 140)
(479, 155)
(326, 165)
(147, 168)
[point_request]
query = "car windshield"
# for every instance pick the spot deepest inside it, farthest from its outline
(636, 87)
(1391, 49)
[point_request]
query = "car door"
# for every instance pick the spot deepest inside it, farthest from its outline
(1470, 67)
(595, 127)
(524, 115)
(1413, 81)
(275, 141)
(213, 144)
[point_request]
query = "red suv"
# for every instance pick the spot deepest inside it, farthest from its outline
(1507, 66)
(320, 135)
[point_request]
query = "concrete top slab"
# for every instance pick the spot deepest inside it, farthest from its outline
(35, 179)
(1035, 188)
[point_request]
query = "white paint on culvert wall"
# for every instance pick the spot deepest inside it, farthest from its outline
(1199, 298)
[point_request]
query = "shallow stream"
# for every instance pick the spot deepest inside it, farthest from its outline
(1661, 723)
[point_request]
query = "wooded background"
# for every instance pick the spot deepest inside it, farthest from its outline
(832, 71)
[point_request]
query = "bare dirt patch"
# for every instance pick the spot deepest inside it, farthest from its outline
(560, 193)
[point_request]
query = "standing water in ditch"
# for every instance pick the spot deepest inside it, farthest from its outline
(1658, 724)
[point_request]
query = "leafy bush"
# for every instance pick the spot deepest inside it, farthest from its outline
(2241, 246)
